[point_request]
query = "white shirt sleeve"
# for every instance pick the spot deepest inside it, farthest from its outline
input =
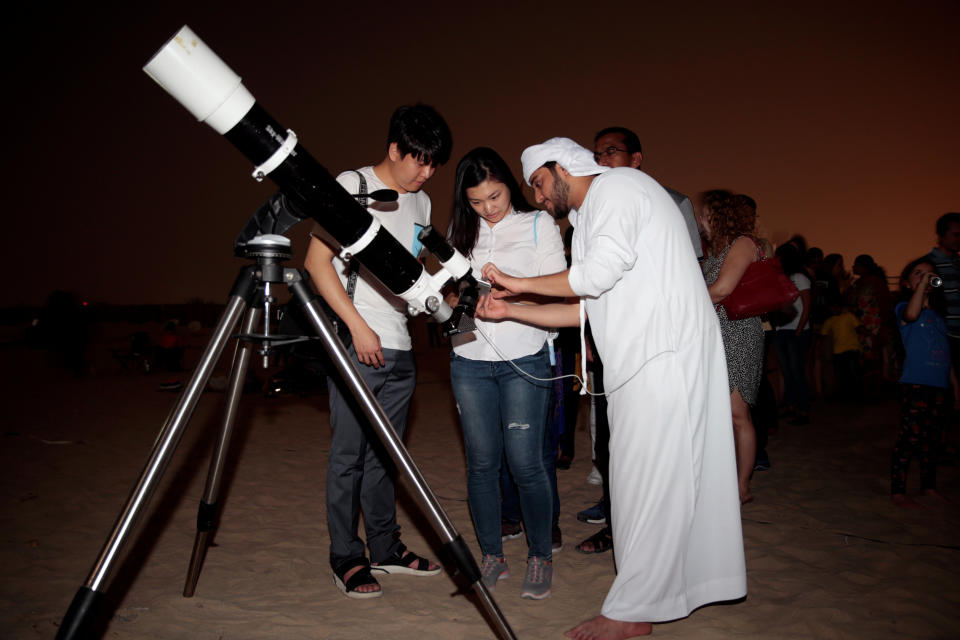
(550, 256)
(609, 244)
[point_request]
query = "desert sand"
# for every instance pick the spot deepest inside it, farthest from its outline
(828, 555)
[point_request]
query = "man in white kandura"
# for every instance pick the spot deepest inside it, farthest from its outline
(676, 511)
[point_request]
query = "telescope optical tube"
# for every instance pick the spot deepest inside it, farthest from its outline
(197, 78)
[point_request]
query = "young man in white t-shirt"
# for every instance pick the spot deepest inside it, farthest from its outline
(359, 473)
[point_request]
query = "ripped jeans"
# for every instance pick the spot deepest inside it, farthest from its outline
(502, 411)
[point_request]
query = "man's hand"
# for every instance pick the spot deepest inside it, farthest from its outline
(366, 343)
(506, 285)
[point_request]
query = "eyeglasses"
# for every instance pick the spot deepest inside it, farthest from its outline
(606, 153)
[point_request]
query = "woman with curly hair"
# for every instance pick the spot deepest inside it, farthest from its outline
(729, 222)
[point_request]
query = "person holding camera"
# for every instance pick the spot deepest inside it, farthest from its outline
(926, 380)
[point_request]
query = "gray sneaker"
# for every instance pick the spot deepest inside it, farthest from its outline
(493, 569)
(536, 585)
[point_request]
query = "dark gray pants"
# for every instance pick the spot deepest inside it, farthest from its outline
(360, 474)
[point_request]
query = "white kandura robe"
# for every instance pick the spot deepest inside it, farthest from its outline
(673, 479)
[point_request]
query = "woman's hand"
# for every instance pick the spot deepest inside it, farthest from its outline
(491, 308)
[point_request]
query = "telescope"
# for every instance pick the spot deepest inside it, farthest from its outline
(197, 78)
(214, 94)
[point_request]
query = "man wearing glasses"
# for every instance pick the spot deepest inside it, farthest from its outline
(620, 147)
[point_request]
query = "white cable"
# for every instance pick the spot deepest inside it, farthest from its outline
(569, 375)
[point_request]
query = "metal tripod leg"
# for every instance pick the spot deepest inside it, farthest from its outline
(77, 618)
(398, 452)
(209, 511)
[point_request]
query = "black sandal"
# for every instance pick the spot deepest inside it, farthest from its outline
(358, 579)
(602, 541)
(399, 562)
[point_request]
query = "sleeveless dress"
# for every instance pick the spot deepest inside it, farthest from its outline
(742, 340)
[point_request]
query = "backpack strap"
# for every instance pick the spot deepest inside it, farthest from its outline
(354, 268)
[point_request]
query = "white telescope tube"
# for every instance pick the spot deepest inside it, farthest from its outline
(198, 79)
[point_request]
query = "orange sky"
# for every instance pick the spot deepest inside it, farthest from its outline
(838, 120)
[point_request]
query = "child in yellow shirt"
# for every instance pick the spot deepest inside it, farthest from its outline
(844, 328)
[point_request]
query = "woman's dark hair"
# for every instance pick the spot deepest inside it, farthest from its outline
(830, 262)
(869, 266)
(936, 300)
(478, 165)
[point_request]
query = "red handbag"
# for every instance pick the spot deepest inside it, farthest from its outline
(763, 288)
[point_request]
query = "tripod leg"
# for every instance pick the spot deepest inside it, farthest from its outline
(77, 618)
(209, 511)
(398, 452)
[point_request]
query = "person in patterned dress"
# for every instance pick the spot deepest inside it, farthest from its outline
(729, 223)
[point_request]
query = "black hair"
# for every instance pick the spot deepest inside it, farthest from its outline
(799, 242)
(866, 262)
(944, 222)
(478, 165)
(790, 258)
(630, 139)
(936, 300)
(830, 261)
(421, 132)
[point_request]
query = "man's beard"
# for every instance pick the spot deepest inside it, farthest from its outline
(560, 198)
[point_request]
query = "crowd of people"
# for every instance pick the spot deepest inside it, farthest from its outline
(683, 399)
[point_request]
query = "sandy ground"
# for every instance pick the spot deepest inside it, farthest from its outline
(828, 556)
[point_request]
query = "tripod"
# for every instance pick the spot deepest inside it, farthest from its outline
(255, 282)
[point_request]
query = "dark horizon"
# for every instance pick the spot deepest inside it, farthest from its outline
(838, 120)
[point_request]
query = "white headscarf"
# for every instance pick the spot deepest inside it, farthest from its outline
(577, 160)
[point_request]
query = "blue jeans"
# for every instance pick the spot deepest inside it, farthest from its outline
(510, 503)
(503, 414)
(552, 432)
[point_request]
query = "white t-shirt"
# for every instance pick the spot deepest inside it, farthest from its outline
(384, 312)
(803, 284)
(523, 244)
